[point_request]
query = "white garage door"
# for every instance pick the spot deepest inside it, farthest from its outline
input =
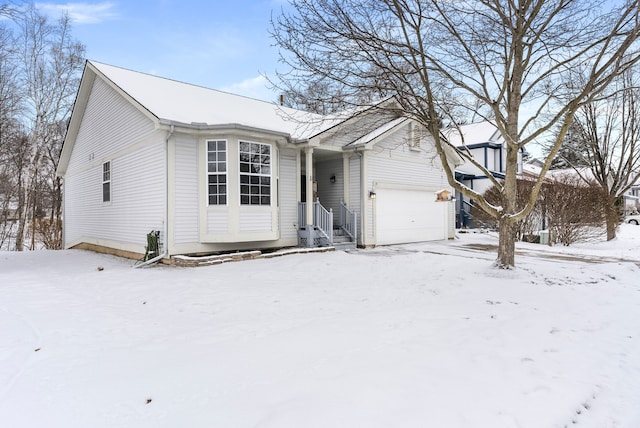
(404, 216)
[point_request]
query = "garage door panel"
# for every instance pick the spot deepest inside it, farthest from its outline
(404, 216)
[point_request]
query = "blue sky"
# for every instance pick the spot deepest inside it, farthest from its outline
(218, 44)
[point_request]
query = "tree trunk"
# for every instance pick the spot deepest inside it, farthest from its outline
(506, 244)
(506, 224)
(612, 217)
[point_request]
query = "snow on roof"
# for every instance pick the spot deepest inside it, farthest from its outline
(473, 133)
(377, 132)
(184, 103)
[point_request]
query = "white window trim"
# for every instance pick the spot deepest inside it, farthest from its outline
(218, 173)
(106, 180)
(270, 175)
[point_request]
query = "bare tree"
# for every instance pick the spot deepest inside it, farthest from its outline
(508, 61)
(10, 153)
(50, 63)
(609, 133)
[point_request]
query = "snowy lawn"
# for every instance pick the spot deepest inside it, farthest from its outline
(424, 335)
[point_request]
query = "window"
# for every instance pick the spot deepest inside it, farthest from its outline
(415, 137)
(106, 181)
(217, 172)
(255, 173)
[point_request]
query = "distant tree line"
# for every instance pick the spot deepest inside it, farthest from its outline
(40, 68)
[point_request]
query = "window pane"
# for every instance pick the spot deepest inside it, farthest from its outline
(222, 200)
(216, 169)
(255, 173)
(106, 192)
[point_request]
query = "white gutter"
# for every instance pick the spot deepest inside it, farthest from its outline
(166, 205)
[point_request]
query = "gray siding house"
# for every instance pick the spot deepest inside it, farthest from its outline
(217, 172)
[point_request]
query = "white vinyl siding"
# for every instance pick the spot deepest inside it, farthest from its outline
(287, 197)
(185, 223)
(110, 124)
(218, 222)
(255, 221)
(113, 130)
(138, 208)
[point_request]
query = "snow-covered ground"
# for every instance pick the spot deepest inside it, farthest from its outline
(424, 335)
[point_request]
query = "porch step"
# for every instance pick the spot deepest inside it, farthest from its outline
(340, 239)
(344, 246)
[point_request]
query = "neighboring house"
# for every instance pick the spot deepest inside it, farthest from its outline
(217, 172)
(485, 143)
(632, 200)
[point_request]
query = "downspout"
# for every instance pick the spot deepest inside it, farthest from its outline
(165, 251)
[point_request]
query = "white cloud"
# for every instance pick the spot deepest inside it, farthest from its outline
(254, 87)
(81, 13)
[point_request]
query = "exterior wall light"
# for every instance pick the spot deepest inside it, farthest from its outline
(372, 194)
(332, 179)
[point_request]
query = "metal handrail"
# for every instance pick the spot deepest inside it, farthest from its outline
(322, 218)
(348, 221)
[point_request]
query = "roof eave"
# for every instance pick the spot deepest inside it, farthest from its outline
(199, 126)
